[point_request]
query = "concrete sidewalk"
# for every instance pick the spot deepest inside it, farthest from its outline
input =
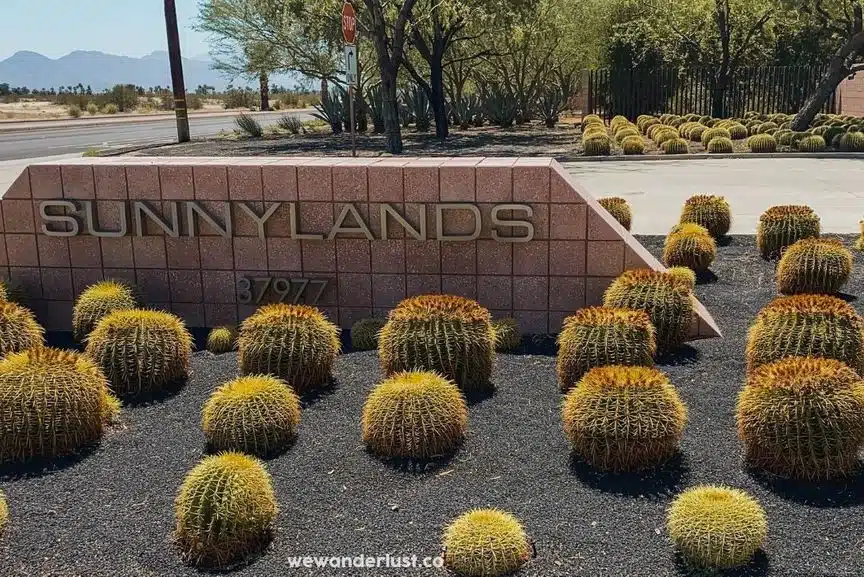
(834, 188)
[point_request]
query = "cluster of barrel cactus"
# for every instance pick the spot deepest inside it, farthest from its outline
(98, 301)
(712, 212)
(783, 226)
(814, 265)
(364, 333)
(619, 208)
(222, 340)
(690, 245)
(486, 543)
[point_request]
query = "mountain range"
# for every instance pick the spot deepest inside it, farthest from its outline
(100, 71)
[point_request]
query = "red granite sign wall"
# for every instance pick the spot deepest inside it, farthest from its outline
(213, 238)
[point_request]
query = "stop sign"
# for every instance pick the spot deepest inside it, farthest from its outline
(349, 23)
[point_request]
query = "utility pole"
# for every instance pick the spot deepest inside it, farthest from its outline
(177, 72)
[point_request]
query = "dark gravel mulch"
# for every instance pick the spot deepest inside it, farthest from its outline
(110, 512)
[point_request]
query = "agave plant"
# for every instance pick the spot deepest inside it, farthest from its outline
(550, 104)
(375, 99)
(499, 105)
(418, 104)
(466, 110)
(332, 110)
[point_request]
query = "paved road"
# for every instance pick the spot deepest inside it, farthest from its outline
(657, 189)
(39, 142)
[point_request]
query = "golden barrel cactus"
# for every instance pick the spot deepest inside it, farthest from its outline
(224, 511)
(52, 403)
(690, 245)
(807, 326)
(599, 336)
(783, 226)
(717, 527)
(18, 329)
(257, 415)
(619, 208)
(621, 418)
(803, 418)
(364, 333)
(414, 415)
(4, 513)
(507, 335)
(448, 335)
(142, 352)
(685, 274)
(712, 212)
(859, 244)
(486, 543)
(296, 343)
(222, 340)
(96, 302)
(814, 265)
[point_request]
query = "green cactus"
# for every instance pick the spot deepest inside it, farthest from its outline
(222, 340)
(852, 142)
(667, 300)
(738, 132)
(661, 137)
(716, 527)
(783, 226)
(796, 138)
(142, 352)
(257, 415)
(684, 129)
(624, 418)
(762, 143)
(4, 513)
(618, 121)
(625, 132)
(619, 208)
(705, 119)
(654, 130)
(96, 302)
(684, 274)
(364, 333)
(784, 137)
(814, 265)
(690, 245)
(768, 126)
(696, 133)
(859, 244)
(647, 123)
(675, 146)
(807, 326)
(599, 145)
(293, 342)
(713, 133)
(633, 146)
(225, 511)
(52, 403)
(721, 145)
(812, 143)
(414, 415)
(449, 335)
(590, 119)
(803, 418)
(507, 335)
(485, 543)
(712, 212)
(18, 329)
(598, 336)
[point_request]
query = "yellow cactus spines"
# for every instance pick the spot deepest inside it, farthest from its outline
(619, 209)
(597, 145)
(814, 265)
(52, 403)
(803, 418)
(448, 335)
(507, 335)
(296, 343)
(713, 133)
(222, 340)
(621, 418)
(667, 300)
(142, 352)
(633, 145)
(721, 145)
(859, 244)
(685, 274)
(599, 336)
(257, 415)
(96, 302)
(717, 527)
(225, 511)
(712, 212)
(807, 326)
(762, 143)
(4, 513)
(783, 226)
(364, 333)
(486, 543)
(414, 415)
(690, 245)
(18, 329)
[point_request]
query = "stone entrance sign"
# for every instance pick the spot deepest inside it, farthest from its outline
(212, 238)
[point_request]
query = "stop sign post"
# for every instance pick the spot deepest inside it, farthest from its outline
(349, 34)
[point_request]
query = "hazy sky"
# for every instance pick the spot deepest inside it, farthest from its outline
(128, 27)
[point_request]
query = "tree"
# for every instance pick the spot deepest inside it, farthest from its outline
(844, 19)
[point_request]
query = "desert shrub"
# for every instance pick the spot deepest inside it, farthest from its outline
(222, 340)
(716, 527)
(624, 418)
(256, 414)
(721, 145)
(803, 418)
(507, 335)
(74, 111)
(142, 352)
(18, 329)
(675, 146)
(364, 333)
(291, 123)
(194, 102)
(414, 415)
(619, 208)
(697, 132)
(633, 146)
(98, 301)
(52, 403)
(240, 98)
(762, 143)
(783, 226)
(685, 274)
(807, 326)
(814, 265)
(852, 142)
(293, 342)
(713, 133)
(712, 212)
(248, 125)
(224, 511)
(666, 299)
(449, 335)
(110, 108)
(690, 245)
(599, 145)
(599, 336)
(92, 109)
(485, 543)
